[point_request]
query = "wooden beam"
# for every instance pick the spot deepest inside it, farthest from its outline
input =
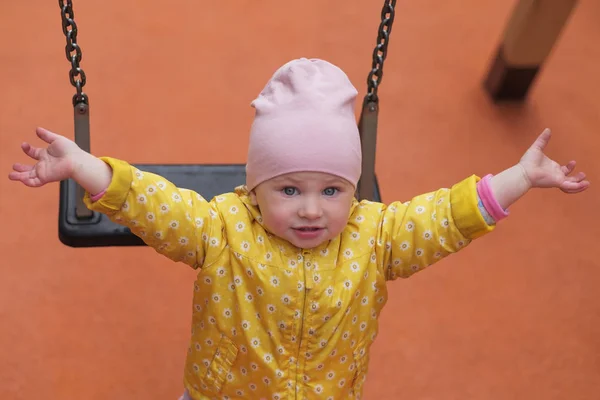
(528, 39)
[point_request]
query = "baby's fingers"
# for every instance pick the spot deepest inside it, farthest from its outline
(18, 176)
(33, 152)
(28, 178)
(46, 135)
(567, 169)
(22, 167)
(576, 178)
(574, 187)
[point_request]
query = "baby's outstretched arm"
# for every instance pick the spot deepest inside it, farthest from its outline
(176, 222)
(421, 232)
(62, 159)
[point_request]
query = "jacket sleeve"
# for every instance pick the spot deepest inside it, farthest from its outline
(178, 223)
(420, 232)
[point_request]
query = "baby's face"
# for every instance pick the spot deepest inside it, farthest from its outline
(305, 208)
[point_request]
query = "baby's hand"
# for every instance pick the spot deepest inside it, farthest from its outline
(542, 172)
(54, 163)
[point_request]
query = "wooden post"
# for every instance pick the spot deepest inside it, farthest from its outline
(529, 36)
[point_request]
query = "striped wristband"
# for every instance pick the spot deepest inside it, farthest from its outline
(488, 199)
(97, 196)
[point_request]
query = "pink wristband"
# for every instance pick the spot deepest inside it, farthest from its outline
(97, 196)
(489, 200)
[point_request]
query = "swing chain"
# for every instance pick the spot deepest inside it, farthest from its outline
(73, 51)
(380, 52)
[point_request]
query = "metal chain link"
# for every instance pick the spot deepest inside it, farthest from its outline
(73, 51)
(380, 52)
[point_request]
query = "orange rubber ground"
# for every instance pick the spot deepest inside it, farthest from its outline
(514, 316)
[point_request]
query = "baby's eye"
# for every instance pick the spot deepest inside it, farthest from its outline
(330, 191)
(289, 191)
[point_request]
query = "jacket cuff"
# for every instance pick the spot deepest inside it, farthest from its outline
(117, 190)
(465, 210)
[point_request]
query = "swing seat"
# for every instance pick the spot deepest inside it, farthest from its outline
(208, 180)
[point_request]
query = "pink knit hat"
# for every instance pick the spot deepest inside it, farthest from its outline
(304, 121)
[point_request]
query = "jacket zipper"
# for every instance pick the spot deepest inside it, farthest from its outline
(307, 286)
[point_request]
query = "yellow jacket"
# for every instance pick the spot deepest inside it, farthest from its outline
(272, 321)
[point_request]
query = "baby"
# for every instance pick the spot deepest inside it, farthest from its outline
(292, 269)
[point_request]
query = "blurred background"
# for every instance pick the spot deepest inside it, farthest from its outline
(514, 316)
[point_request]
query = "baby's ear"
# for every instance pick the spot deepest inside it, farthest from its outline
(252, 196)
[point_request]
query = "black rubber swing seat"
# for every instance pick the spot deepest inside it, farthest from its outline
(98, 231)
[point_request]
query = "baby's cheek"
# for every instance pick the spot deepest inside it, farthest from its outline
(338, 223)
(275, 221)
